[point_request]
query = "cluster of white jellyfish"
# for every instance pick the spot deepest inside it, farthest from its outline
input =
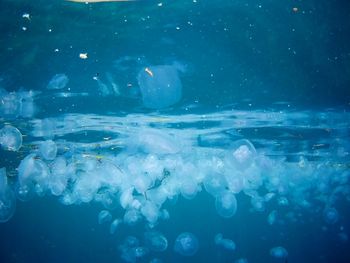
(138, 162)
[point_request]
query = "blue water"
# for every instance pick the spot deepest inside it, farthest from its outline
(268, 75)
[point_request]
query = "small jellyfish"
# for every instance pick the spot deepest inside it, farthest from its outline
(243, 154)
(155, 260)
(156, 241)
(160, 86)
(330, 215)
(226, 204)
(186, 244)
(140, 251)
(114, 226)
(104, 216)
(278, 252)
(218, 238)
(131, 241)
(48, 150)
(7, 198)
(241, 260)
(58, 81)
(215, 183)
(10, 138)
(271, 218)
(132, 217)
(224, 242)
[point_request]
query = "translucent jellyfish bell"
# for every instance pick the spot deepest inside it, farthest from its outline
(10, 138)
(242, 155)
(104, 216)
(7, 198)
(279, 252)
(160, 86)
(58, 81)
(226, 204)
(156, 241)
(330, 215)
(48, 150)
(186, 244)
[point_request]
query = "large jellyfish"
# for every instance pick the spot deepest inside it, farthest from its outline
(186, 244)
(7, 198)
(160, 86)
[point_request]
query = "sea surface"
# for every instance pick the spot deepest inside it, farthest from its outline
(175, 131)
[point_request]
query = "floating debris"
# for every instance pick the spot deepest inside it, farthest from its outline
(83, 55)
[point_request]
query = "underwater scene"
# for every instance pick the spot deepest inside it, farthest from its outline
(174, 131)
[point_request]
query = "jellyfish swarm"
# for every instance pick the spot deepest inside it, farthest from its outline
(186, 244)
(10, 138)
(160, 86)
(17, 104)
(7, 198)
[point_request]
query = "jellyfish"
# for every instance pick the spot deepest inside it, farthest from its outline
(48, 150)
(58, 81)
(104, 216)
(271, 218)
(241, 260)
(7, 198)
(278, 252)
(10, 138)
(114, 225)
(242, 155)
(186, 244)
(33, 172)
(226, 204)
(214, 184)
(156, 241)
(330, 215)
(224, 242)
(160, 86)
(228, 244)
